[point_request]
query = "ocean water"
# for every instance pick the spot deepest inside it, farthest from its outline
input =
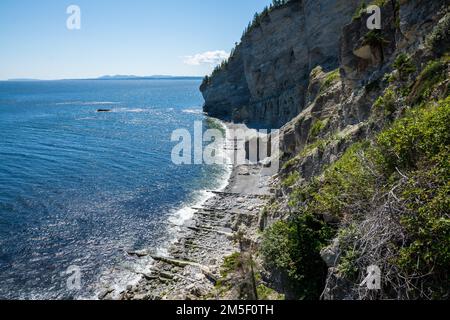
(80, 188)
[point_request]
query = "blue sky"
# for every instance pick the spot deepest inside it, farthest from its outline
(139, 37)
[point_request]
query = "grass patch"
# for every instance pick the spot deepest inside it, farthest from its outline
(412, 158)
(316, 128)
(330, 79)
(266, 293)
(387, 103)
(231, 264)
(374, 38)
(291, 179)
(434, 73)
(404, 66)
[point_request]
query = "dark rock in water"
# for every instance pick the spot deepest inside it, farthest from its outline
(103, 110)
(139, 253)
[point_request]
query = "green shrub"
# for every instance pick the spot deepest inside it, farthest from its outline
(428, 224)
(389, 77)
(360, 10)
(316, 129)
(375, 38)
(434, 73)
(330, 79)
(439, 39)
(410, 159)
(386, 103)
(404, 66)
(345, 182)
(266, 293)
(291, 179)
(348, 260)
(416, 147)
(231, 264)
(379, 3)
(424, 132)
(347, 265)
(318, 144)
(419, 146)
(293, 248)
(290, 163)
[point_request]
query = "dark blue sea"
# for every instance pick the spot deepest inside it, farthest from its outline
(80, 188)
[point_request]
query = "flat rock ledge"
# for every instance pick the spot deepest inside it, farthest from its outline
(192, 267)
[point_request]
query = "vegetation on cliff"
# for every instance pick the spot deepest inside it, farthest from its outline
(384, 202)
(365, 178)
(387, 199)
(401, 179)
(256, 22)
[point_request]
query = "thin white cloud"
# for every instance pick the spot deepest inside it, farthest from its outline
(208, 58)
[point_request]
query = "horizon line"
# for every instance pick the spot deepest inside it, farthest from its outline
(108, 77)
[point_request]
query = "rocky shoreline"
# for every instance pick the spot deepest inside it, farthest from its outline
(191, 269)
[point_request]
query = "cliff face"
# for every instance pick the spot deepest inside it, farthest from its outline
(364, 138)
(323, 148)
(346, 103)
(266, 80)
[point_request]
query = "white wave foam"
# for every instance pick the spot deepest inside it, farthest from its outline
(83, 103)
(181, 217)
(120, 277)
(130, 110)
(99, 103)
(177, 221)
(193, 111)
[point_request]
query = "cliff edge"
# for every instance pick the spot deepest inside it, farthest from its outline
(266, 78)
(364, 118)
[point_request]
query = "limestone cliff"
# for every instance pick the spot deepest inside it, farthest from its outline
(364, 117)
(266, 79)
